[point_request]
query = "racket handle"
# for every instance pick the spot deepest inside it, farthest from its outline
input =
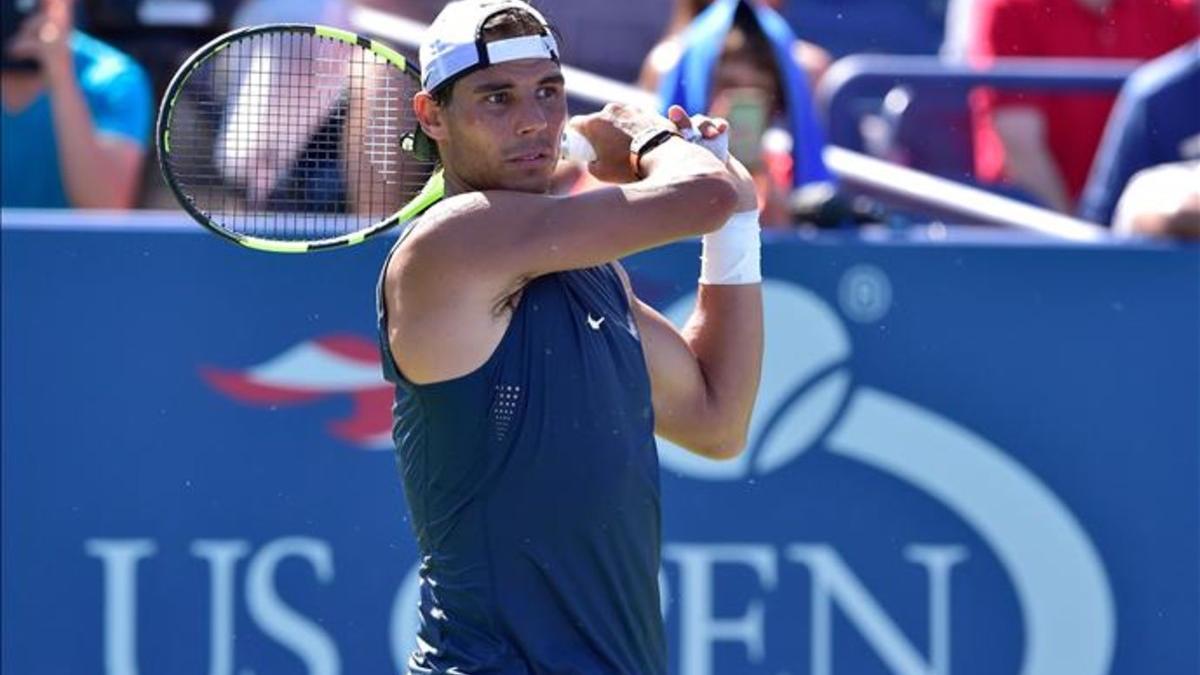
(576, 148)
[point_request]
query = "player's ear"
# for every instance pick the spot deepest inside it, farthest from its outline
(431, 116)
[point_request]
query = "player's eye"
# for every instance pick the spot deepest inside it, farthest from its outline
(548, 92)
(497, 98)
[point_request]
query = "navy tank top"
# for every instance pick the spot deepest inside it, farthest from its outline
(533, 489)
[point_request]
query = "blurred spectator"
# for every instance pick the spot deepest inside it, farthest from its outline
(664, 55)
(1162, 202)
(736, 60)
(76, 113)
(1156, 121)
(961, 16)
(1045, 143)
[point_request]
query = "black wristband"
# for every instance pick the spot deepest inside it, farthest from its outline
(644, 143)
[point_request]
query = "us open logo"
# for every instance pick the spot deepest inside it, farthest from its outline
(808, 402)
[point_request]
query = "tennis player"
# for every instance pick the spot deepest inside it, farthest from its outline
(530, 381)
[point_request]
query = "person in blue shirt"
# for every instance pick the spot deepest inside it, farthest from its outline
(1156, 121)
(737, 60)
(530, 380)
(76, 119)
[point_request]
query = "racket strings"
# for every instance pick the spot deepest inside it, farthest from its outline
(294, 136)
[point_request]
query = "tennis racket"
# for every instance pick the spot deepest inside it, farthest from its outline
(292, 138)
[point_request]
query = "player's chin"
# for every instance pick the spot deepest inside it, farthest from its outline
(530, 178)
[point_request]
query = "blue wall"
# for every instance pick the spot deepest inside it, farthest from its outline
(975, 457)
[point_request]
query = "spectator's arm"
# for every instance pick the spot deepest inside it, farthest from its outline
(99, 170)
(1027, 158)
(1161, 202)
(100, 148)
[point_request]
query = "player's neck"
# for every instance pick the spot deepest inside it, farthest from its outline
(454, 184)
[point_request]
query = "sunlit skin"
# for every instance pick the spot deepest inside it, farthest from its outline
(502, 128)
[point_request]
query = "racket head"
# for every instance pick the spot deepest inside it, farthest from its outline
(292, 138)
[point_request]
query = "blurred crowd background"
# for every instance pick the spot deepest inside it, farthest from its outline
(977, 91)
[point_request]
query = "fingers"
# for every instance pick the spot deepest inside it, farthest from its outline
(711, 127)
(679, 117)
(578, 122)
(41, 36)
(695, 127)
(27, 42)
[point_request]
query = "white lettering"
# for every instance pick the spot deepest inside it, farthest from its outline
(938, 560)
(120, 558)
(222, 557)
(833, 581)
(700, 629)
(278, 620)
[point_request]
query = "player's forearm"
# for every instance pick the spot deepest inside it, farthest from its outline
(692, 185)
(726, 334)
(95, 173)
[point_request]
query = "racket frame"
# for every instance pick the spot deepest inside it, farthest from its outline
(432, 191)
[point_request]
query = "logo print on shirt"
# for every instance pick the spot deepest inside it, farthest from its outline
(504, 407)
(594, 323)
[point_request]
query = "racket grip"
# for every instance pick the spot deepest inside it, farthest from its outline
(576, 148)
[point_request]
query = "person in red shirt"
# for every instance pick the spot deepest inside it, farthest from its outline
(1044, 143)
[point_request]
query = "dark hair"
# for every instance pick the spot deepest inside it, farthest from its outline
(510, 23)
(746, 42)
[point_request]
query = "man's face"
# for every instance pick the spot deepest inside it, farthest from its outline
(504, 126)
(739, 74)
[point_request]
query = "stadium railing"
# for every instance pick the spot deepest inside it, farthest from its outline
(855, 85)
(916, 96)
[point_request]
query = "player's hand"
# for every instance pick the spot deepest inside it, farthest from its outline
(710, 130)
(610, 132)
(45, 37)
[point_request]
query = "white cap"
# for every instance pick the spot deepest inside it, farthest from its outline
(454, 45)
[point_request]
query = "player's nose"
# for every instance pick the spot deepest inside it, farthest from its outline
(531, 117)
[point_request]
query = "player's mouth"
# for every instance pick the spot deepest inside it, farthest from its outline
(530, 158)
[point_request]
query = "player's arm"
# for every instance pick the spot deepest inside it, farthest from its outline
(468, 257)
(704, 377)
(510, 237)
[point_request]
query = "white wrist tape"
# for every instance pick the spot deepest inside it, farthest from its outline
(732, 254)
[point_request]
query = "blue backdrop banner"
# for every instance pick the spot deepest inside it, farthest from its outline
(978, 456)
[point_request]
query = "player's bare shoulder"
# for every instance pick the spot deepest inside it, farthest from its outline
(440, 221)
(466, 244)
(445, 311)
(428, 247)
